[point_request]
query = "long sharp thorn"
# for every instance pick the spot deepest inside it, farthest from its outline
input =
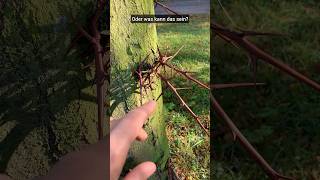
(73, 42)
(160, 55)
(183, 88)
(184, 73)
(228, 40)
(280, 65)
(166, 7)
(82, 31)
(175, 54)
(260, 54)
(234, 136)
(183, 103)
(235, 85)
(159, 96)
(88, 65)
(243, 141)
(254, 33)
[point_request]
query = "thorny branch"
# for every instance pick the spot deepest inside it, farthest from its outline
(186, 75)
(239, 39)
(244, 142)
(139, 73)
(183, 103)
(234, 85)
(94, 37)
(155, 68)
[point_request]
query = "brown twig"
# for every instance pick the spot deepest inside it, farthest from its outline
(241, 40)
(244, 142)
(255, 33)
(186, 74)
(140, 77)
(94, 38)
(183, 103)
(166, 7)
(238, 40)
(235, 85)
(163, 62)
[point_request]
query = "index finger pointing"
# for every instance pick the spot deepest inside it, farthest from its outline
(134, 120)
(138, 116)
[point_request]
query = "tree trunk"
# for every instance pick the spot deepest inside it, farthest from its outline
(130, 45)
(47, 101)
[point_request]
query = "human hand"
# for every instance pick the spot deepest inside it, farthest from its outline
(91, 162)
(123, 133)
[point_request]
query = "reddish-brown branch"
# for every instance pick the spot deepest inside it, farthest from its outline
(139, 73)
(244, 142)
(255, 51)
(94, 39)
(166, 7)
(254, 33)
(81, 33)
(239, 40)
(186, 75)
(183, 103)
(100, 73)
(173, 56)
(235, 85)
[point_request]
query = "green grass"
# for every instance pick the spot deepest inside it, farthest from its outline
(282, 120)
(189, 145)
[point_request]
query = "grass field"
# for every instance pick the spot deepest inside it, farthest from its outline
(189, 145)
(282, 120)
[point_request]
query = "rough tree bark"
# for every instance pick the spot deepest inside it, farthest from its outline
(47, 101)
(130, 44)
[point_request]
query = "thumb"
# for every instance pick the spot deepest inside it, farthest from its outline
(141, 172)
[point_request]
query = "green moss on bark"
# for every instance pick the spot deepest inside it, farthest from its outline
(47, 102)
(130, 44)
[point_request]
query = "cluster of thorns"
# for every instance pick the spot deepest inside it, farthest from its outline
(145, 71)
(240, 40)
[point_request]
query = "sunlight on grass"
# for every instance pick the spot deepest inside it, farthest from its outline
(280, 119)
(189, 145)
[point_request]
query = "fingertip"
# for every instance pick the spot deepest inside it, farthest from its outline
(151, 105)
(149, 167)
(142, 113)
(131, 124)
(142, 171)
(152, 166)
